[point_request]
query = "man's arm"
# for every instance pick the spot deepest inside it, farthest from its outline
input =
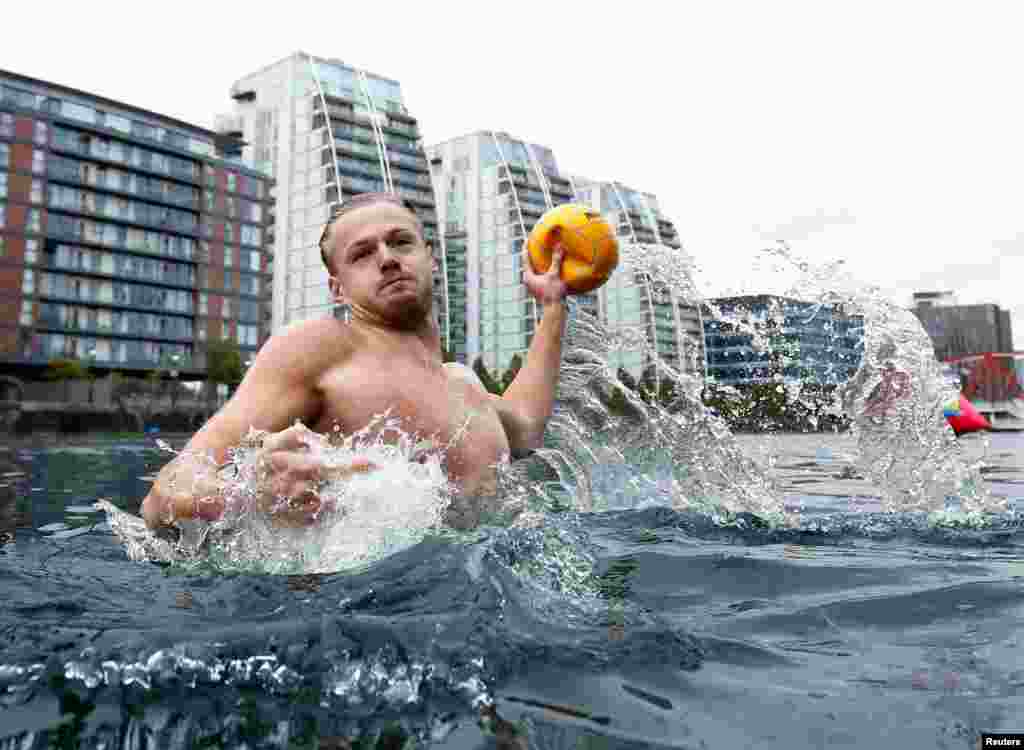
(527, 403)
(278, 389)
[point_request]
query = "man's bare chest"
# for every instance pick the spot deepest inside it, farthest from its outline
(427, 403)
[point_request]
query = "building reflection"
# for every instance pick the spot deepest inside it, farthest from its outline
(13, 515)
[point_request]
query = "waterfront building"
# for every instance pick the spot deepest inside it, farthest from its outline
(326, 130)
(492, 188)
(639, 298)
(128, 239)
(797, 341)
(963, 330)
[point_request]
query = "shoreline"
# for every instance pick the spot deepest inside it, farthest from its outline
(52, 439)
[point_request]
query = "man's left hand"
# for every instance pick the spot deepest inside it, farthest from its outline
(547, 288)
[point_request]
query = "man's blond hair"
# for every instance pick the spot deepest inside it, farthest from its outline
(361, 201)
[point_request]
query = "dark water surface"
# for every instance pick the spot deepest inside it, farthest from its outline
(635, 628)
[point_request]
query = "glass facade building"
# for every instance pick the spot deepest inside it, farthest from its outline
(127, 239)
(492, 188)
(326, 131)
(799, 341)
(637, 298)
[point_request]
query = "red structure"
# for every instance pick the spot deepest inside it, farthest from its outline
(991, 377)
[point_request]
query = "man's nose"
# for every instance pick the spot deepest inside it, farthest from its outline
(386, 255)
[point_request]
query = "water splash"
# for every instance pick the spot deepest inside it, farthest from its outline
(896, 398)
(611, 448)
(366, 517)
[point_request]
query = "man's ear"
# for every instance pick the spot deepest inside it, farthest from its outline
(336, 291)
(433, 258)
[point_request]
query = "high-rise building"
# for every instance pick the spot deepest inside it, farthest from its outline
(326, 131)
(640, 297)
(492, 188)
(797, 341)
(128, 239)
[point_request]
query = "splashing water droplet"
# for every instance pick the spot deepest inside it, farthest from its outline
(368, 516)
(165, 446)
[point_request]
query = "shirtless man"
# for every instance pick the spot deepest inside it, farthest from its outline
(327, 372)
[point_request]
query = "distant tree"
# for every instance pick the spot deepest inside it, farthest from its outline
(224, 363)
(492, 385)
(649, 384)
(626, 378)
(514, 366)
(65, 368)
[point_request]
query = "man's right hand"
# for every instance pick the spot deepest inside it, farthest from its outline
(292, 476)
(290, 481)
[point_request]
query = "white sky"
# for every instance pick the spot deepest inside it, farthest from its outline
(886, 133)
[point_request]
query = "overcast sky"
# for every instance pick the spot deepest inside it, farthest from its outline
(889, 133)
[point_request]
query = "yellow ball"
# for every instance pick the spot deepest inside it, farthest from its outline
(591, 249)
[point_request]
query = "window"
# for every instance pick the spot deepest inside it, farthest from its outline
(116, 122)
(254, 260)
(253, 212)
(225, 309)
(247, 335)
(232, 182)
(229, 233)
(4, 154)
(7, 124)
(42, 133)
(3, 214)
(37, 191)
(32, 222)
(3, 184)
(229, 257)
(203, 304)
(38, 161)
(31, 251)
(250, 284)
(28, 281)
(3, 246)
(209, 199)
(232, 207)
(251, 235)
(26, 312)
(78, 112)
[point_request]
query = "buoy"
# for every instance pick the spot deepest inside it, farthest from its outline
(963, 417)
(591, 249)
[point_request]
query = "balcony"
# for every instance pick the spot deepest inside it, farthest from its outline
(241, 92)
(403, 116)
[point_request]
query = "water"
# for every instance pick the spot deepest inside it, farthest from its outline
(648, 580)
(651, 627)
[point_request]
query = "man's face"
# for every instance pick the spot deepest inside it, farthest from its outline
(381, 265)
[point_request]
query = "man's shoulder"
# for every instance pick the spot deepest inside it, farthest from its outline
(315, 328)
(316, 343)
